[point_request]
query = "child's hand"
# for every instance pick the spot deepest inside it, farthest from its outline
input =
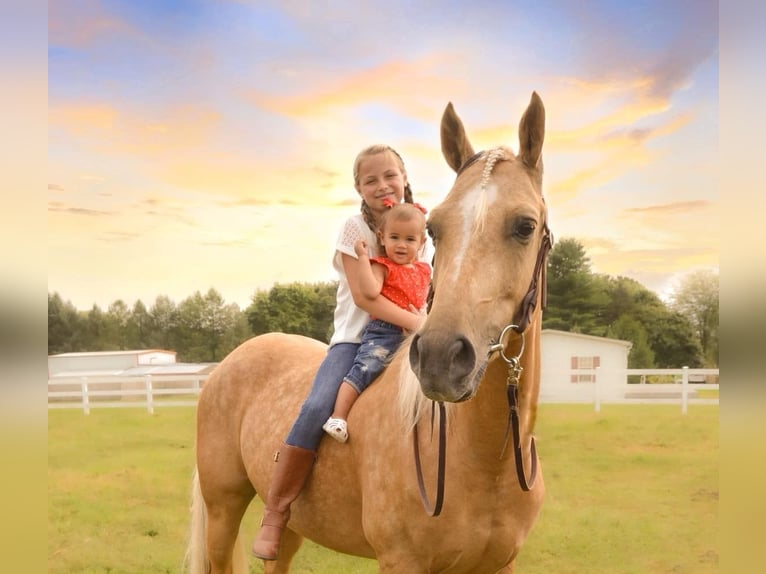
(421, 318)
(360, 247)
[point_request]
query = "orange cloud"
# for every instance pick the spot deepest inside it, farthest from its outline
(405, 85)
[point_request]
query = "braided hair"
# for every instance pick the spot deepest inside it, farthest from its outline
(369, 219)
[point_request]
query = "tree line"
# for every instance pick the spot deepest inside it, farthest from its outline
(204, 328)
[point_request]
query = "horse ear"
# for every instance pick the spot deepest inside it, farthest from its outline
(455, 145)
(532, 132)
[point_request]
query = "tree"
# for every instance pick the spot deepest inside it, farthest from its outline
(163, 321)
(672, 339)
(117, 317)
(575, 295)
(95, 329)
(697, 299)
(64, 325)
(627, 328)
(139, 327)
(203, 322)
(301, 308)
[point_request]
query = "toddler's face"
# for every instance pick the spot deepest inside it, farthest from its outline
(402, 240)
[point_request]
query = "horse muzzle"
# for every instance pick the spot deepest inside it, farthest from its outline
(445, 364)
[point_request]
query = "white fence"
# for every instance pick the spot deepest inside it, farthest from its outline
(611, 386)
(182, 390)
(145, 391)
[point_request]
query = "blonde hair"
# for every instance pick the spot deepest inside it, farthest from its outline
(374, 150)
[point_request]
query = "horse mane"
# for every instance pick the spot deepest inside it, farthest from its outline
(411, 401)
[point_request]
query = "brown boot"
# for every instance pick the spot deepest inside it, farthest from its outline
(293, 467)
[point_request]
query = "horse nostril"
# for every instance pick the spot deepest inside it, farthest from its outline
(415, 353)
(462, 358)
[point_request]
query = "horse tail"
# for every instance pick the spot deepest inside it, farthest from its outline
(196, 560)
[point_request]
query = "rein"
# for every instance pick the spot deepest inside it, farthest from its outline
(521, 322)
(512, 429)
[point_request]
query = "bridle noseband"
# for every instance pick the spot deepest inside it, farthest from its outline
(520, 323)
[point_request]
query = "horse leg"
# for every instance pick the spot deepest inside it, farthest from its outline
(224, 515)
(291, 542)
(507, 569)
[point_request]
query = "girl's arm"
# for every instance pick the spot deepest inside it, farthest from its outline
(371, 276)
(379, 306)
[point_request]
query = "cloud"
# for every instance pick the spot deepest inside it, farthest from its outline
(681, 207)
(81, 23)
(117, 236)
(389, 83)
(56, 206)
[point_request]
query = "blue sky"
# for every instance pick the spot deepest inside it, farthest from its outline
(210, 143)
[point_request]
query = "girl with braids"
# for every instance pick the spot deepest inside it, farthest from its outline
(380, 178)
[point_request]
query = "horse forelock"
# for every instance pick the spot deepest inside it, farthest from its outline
(480, 205)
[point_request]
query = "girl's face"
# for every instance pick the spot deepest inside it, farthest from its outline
(402, 239)
(381, 178)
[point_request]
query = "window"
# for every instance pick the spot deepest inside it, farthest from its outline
(584, 363)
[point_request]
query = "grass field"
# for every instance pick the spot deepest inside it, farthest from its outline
(630, 490)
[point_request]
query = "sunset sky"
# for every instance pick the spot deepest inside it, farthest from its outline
(209, 143)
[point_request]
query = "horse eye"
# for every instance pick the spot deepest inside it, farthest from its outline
(431, 232)
(524, 229)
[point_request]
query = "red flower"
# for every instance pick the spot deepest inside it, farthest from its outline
(421, 208)
(388, 202)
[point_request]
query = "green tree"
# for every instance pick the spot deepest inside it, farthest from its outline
(203, 323)
(64, 326)
(300, 308)
(575, 296)
(96, 328)
(673, 341)
(139, 327)
(117, 317)
(697, 299)
(627, 328)
(163, 323)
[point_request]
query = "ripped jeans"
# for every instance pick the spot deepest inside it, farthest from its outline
(380, 340)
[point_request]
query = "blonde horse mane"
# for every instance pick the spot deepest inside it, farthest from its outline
(411, 398)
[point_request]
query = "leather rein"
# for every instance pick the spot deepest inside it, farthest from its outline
(521, 322)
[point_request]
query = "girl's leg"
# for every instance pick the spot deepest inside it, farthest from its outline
(347, 395)
(318, 406)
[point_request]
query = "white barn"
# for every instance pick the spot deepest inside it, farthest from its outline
(564, 353)
(100, 363)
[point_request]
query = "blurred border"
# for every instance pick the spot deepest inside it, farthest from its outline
(742, 90)
(23, 332)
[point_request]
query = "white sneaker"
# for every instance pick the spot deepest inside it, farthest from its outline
(336, 428)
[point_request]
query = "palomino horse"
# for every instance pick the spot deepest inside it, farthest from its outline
(364, 497)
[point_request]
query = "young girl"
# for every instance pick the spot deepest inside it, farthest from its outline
(399, 277)
(379, 178)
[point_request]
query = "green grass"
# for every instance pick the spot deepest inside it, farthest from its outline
(632, 489)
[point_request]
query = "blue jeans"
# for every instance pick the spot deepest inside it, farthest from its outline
(380, 340)
(318, 406)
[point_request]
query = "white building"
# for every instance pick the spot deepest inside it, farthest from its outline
(102, 363)
(564, 353)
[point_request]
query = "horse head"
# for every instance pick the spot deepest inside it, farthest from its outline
(491, 240)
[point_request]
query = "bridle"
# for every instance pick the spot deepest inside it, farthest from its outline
(521, 321)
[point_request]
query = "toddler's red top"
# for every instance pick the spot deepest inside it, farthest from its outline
(405, 284)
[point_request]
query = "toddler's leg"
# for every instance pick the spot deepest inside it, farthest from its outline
(336, 425)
